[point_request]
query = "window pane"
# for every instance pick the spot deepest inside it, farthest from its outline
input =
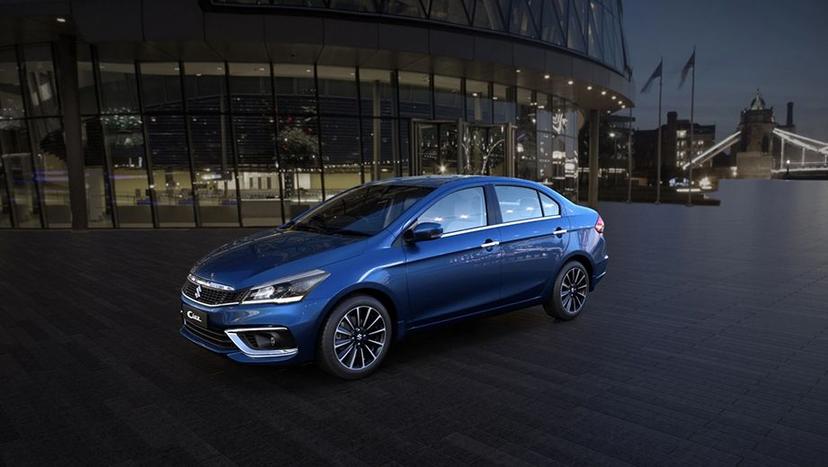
(50, 160)
(447, 98)
(250, 88)
(98, 190)
(205, 87)
(376, 92)
(517, 203)
(124, 140)
(41, 85)
(337, 90)
(437, 148)
(379, 147)
(5, 202)
(255, 140)
(17, 163)
(299, 154)
(527, 157)
(550, 207)
(11, 100)
(295, 89)
(462, 210)
(415, 95)
(451, 11)
(215, 181)
(341, 154)
(119, 91)
(161, 85)
(171, 170)
(478, 102)
(504, 103)
(405, 8)
(86, 81)
(487, 15)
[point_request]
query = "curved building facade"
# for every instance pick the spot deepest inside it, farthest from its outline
(245, 113)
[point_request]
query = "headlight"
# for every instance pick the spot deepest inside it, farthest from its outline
(288, 289)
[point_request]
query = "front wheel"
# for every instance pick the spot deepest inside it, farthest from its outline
(355, 338)
(570, 292)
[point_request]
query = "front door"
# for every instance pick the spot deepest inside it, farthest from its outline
(458, 273)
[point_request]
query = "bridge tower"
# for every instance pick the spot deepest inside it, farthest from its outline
(754, 151)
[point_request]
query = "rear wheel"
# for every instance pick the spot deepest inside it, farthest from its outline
(570, 292)
(355, 338)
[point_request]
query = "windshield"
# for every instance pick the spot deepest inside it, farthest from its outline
(363, 212)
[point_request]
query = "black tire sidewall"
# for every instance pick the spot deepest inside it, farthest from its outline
(554, 306)
(326, 356)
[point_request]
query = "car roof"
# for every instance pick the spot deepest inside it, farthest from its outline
(440, 180)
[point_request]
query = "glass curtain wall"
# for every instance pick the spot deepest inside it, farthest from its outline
(183, 144)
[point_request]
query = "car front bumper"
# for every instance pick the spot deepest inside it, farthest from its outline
(226, 326)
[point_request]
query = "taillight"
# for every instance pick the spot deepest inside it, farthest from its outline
(599, 225)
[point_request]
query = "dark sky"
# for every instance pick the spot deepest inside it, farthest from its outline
(778, 46)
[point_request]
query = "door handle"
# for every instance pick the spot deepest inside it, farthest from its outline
(560, 231)
(490, 244)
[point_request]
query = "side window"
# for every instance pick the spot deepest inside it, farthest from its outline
(461, 210)
(517, 203)
(550, 206)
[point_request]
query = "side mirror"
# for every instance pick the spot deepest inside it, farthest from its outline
(423, 231)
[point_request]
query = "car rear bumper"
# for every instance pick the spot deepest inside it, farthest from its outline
(598, 272)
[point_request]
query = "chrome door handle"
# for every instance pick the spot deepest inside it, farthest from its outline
(490, 243)
(560, 231)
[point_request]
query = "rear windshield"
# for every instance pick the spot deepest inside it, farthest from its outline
(364, 211)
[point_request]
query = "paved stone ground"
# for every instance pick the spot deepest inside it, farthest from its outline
(706, 344)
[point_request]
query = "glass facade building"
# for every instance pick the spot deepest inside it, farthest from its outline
(228, 139)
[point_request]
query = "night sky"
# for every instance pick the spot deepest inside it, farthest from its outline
(780, 47)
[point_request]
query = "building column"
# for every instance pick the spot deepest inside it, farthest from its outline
(594, 134)
(66, 61)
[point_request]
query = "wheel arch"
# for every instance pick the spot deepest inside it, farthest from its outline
(375, 291)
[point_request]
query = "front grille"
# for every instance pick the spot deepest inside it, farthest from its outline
(217, 338)
(208, 295)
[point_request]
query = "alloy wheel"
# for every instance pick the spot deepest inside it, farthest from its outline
(360, 337)
(573, 290)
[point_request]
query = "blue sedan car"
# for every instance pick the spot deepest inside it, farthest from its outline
(342, 281)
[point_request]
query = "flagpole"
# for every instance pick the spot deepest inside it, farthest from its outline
(658, 160)
(692, 129)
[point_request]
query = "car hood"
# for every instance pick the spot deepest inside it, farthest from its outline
(271, 254)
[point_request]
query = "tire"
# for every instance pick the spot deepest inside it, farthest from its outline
(569, 294)
(355, 338)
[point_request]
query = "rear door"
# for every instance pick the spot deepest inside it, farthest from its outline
(458, 273)
(533, 241)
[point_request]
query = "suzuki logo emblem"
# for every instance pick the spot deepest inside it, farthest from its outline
(193, 316)
(198, 292)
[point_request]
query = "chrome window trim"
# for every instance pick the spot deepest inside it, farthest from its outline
(502, 224)
(212, 285)
(233, 334)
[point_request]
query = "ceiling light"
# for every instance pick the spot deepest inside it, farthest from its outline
(589, 88)
(545, 76)
(60, 19)
(612, 97)
(517, 70)
(570, 82)
(603, 93)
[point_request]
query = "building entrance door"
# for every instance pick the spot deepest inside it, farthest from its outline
(451, 147)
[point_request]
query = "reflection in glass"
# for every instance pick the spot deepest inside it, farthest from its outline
(448, 100)
(98, 190)
(11, 100)
(161, 85)
(504, 103)
(204, 87)
(337, 90)
(250, 88)
(437, 148)
(124, 140)
(258, 171)
(487, 15)
(86, 81)
(299, 154)
(526, 143)
(52, 176)
(295, 89)
(119, 91)
(478, 102)
(415, 95)
(340, 153)
(215, 180)
(484, 150)
(376, 92)
(378, 146)
(41, 86)
(18, 173)
(171, 170)
(451, 11)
